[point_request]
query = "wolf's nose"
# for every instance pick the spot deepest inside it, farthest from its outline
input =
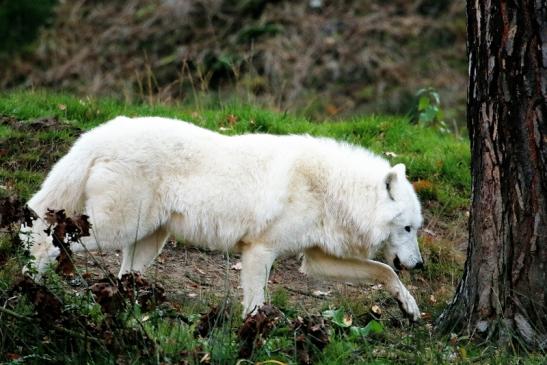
(397, 263)
(419, 266)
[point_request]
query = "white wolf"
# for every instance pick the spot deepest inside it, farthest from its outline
(142, 179)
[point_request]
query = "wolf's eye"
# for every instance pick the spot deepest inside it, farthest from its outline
(407, 228)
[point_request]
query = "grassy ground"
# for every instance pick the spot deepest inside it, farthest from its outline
(437, 158)
(74, 320)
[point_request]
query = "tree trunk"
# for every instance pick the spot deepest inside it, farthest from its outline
(503, 290)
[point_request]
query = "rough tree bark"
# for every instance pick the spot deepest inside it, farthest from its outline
(503, 290)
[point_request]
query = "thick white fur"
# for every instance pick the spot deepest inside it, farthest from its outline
(142, 179)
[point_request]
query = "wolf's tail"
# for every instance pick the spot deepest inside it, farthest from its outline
(64, 186)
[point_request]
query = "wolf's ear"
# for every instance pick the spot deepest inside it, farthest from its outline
(400, 169)
(397, 172)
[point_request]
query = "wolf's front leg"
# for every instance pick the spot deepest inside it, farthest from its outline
(43, 254)
(256, 262)
(316, 262)
(40, 247)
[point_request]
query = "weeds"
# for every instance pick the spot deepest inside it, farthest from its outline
(429, 109)
(128, 320)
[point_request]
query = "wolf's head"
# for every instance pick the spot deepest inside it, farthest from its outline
(405, 218)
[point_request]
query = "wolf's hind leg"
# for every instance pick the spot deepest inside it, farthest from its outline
(138, 256)
(256, 262)
(318, 263)
(121, 209)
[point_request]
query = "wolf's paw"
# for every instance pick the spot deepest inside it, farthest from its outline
(408, 304)
(30, 270)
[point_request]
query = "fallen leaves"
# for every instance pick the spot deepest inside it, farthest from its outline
(310, 333)
(116, 297)
(64, 231)
(256, 328)
(63, 227)
(113, 294)
(321, 294)
(215, 317)
(57, 319)
(14, 213)
(228, 124)
(376, 310)
(332, 110)
(426, 189)
(47, 306)
(420, 185)
(311, 337)
(231, 120)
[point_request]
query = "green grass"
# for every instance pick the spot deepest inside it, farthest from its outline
(439, 160)
(429, 155)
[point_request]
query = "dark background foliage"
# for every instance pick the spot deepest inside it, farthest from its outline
(323, 59)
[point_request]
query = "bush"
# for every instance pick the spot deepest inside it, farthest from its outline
(20, 21)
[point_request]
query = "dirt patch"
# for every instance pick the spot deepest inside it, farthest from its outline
(191, 274)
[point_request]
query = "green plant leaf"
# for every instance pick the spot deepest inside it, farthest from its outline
(338, 317)
(423, 103)
(428, 115)
(373, 327)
